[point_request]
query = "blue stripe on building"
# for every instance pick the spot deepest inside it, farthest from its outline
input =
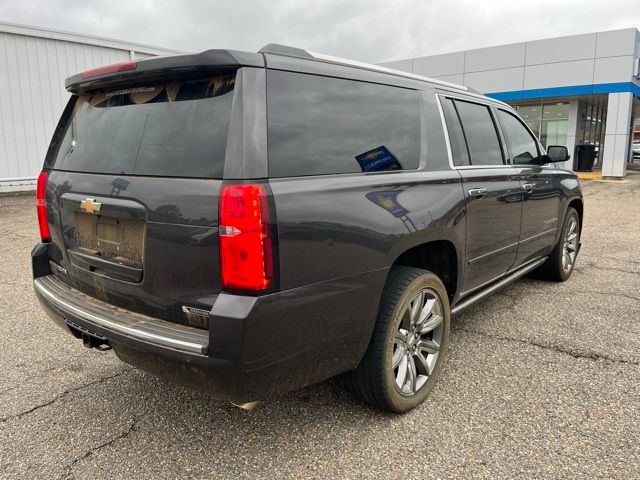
(567, 91)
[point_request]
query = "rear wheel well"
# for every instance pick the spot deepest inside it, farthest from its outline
(439, 257)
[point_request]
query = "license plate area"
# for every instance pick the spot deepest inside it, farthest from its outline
(117, 239)
(109, 246)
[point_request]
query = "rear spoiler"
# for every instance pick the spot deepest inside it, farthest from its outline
(136, 71)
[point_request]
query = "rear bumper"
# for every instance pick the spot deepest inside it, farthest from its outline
(255, 348)
(98, 315)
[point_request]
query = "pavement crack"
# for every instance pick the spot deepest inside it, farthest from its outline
(594, 266)
(62, 395)
(555, 347)
(133, 426)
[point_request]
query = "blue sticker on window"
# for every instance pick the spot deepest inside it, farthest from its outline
(377, 160)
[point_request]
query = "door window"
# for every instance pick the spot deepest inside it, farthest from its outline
(480, 132)
(524, 150)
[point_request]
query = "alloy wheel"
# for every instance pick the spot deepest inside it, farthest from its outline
(416, 344)
(570, 245)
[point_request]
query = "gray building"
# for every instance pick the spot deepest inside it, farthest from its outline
(576, 90)
(34, 63)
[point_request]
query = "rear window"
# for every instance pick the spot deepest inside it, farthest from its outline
(172, 129)
(321, 125)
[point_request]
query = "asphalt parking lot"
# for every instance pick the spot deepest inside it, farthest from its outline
(542, 380)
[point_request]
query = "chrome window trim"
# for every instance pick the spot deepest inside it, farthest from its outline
(497, 126)
(445, 131)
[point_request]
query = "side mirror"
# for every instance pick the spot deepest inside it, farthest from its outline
(557, 153)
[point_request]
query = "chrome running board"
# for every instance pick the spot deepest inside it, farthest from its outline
(506, 280)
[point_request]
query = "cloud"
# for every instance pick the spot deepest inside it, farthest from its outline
(369, 30)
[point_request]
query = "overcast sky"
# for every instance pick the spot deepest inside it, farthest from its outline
(367, 30)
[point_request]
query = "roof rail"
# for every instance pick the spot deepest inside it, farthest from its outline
(276, 49)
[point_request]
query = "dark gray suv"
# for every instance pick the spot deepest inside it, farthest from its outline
(250, 223)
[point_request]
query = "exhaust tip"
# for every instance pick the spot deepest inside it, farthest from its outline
(246, 406)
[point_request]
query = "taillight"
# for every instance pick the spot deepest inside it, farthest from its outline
(41, 207)
(245, 246)
(118, 67)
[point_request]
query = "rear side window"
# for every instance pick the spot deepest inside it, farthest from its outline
(480, 133)
(524, 149)
(456, 135)
(173, 129)
(321, 125)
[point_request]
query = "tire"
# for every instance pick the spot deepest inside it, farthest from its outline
(397, 339)
(555, 269)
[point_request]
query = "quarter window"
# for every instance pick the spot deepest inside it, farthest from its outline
(322, 125)
(524, 150)
(480, 133)
(456, 136)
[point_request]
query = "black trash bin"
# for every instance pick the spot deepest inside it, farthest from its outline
(585, 157)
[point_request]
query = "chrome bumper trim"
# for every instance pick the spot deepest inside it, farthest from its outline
(137, 326)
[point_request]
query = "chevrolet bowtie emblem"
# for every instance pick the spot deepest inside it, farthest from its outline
(90, 205)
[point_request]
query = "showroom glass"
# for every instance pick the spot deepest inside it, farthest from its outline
(548, 121)
(524, 150)
(459, 150)
(166, 130)
(480, 133)
(323, 125)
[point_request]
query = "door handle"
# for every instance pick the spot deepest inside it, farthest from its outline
(477, 192)
(528, 187)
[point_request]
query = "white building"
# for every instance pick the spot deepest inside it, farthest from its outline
(34, 63)
(577, 90)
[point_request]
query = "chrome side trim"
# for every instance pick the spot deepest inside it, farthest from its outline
(478, 167)
(546, 232)
(493, 251)
(140, 327)
(511, 277)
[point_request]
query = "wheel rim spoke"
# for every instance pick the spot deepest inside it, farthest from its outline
(422, 364)
(399, 347)
(402, 371)
(428, 346)
(412, 374)
(416, 306)
(431, 324)
(398, 354)
(426, 311)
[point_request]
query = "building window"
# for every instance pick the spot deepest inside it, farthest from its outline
(548, 121)
(592, 118)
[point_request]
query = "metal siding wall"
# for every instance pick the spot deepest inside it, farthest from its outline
(32, 95)
(574, 61)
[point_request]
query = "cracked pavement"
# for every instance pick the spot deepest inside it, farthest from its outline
(541, 380)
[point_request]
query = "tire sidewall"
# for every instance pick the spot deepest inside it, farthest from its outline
(398, 402)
